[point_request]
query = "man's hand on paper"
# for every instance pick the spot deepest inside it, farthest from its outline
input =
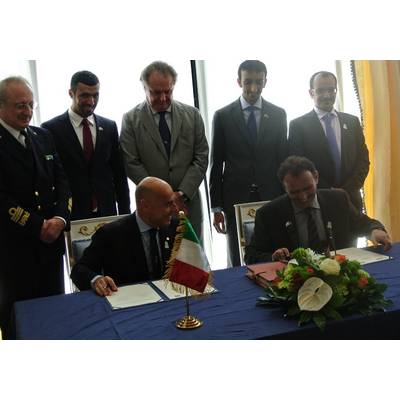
(104, 286)
(282, 254)
(379, 236)
(219, 222)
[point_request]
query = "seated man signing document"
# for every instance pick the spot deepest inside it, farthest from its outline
(307, 217)
(132, 249)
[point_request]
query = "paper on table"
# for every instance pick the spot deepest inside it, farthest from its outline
(133, 295)
(361, 255)
(172, 294)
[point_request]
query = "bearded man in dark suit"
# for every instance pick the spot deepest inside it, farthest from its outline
(248, 145)
(88, 146)
(308, 217)
(34, 203)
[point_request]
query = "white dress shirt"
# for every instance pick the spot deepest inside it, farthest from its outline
(76, 121)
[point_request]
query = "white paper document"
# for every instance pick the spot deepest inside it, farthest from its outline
(362, 255)
(165, 287)
(133, 295)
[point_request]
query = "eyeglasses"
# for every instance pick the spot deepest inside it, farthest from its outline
(329, 91)
(24, 106)
(160, 93)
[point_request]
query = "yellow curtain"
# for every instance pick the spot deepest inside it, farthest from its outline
(379, 90)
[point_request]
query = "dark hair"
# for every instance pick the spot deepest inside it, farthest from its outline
(161, 67)
(324, 74)
(85, 77)
(295, 165)
(252, 65)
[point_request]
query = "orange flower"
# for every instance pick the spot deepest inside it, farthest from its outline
(362, 282)
(340, 258)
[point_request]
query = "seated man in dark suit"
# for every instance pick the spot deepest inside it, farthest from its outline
(134, 248)
(307, 217)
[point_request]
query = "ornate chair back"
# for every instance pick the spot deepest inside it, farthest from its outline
(245, 214)
(79, 237)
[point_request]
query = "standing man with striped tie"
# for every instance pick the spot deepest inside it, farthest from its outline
(333, 140)
(165, 138)
(88, 146)
(35, 204)
(248, 145)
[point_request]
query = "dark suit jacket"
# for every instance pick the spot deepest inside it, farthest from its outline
(275, 224)
(33, 187)
(117, 251)
(105, 176)
(307, 138)
(236, 163)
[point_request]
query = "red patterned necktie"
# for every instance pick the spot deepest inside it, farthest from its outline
(87, 140)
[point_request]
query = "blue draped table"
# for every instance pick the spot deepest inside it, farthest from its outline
(229, 314)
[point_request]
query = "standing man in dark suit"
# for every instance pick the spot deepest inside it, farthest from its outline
(308, 217)
(165, 138)
(333, 140)
(248, 145)
(134, 248)
(90, 153)
(34, 203)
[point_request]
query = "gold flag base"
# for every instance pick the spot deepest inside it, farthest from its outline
(188, 322)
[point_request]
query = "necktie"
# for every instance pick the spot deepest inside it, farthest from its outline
(330, 135)
(252, 124)
(22, 137)
(164, 132)
(314, 242)
(87, 140)
(88, 152)
(155, 255)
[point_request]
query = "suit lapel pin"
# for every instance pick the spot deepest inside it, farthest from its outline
(344, 126)
(266, 116)
(101, 128)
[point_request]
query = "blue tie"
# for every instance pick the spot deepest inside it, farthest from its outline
(164, 132)
(330, 135)
(252, 124)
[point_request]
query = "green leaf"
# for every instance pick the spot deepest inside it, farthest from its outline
(305, 316)
(293, 310)
(332, 313)
(319, 320)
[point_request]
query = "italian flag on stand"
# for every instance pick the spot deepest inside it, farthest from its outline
(188, 265)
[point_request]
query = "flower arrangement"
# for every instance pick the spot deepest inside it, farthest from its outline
(316, 288)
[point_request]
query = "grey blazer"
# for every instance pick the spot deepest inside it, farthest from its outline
(145, 155)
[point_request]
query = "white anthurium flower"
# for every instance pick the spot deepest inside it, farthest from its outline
(330, 267)
(314, 294)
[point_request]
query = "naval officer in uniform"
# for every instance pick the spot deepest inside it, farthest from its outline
(35, 203)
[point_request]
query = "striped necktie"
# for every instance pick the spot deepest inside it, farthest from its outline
(333, 145)
(164, 132)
